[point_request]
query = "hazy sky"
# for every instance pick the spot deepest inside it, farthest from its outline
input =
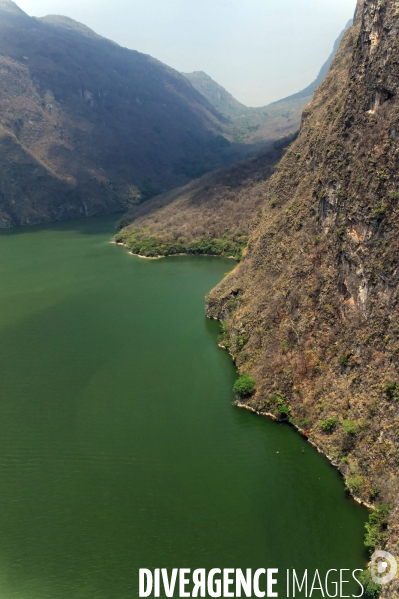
(259, 50)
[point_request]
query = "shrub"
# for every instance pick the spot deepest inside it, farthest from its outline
(349, 427)
(378, 212)
(375, 491)
(376, 526)
(223, 338)
(281, 406)
(329, 424)
(245, 385)
(283, 409)
(241, 340)
(355, 483)
(391, 390)
(371, 590)
(344, 359)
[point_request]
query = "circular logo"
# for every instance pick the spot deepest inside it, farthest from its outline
(383, 567)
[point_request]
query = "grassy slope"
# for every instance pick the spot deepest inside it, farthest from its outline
(316, 295)
(211, 215)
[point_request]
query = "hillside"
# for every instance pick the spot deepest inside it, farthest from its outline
(211, 215)
(219, 97)
(312, 310)
(88, 127)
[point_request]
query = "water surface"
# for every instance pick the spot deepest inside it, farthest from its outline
(119, 446)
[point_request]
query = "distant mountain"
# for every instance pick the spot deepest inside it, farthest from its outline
(220, 98)
(250, 125)
(88, 127)
(267, 123)
(309, 91)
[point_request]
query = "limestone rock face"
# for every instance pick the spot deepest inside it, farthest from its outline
(316, 294)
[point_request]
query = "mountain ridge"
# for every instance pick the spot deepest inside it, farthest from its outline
(101, 126)
(276, 120)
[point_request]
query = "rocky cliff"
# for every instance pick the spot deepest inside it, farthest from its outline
(312, 310)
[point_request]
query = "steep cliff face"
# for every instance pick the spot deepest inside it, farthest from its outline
(312, 311)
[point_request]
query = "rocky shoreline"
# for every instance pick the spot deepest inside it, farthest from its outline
(244, 406)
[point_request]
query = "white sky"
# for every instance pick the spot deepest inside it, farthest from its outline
(259, 50)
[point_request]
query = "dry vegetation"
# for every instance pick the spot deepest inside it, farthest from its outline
(211, 215)
(312, 310)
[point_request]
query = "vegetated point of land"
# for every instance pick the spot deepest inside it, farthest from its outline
(212, 215)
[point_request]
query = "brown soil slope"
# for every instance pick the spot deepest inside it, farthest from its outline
(312, 310)
(88, 127)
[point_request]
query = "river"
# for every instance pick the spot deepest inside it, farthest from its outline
(119, 445)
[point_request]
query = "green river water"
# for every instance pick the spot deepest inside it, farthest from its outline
(119, 445)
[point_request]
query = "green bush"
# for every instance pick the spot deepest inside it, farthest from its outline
(355, 483)
(329, 424)
(344, 359)
(281, 406)
(391, 390)
(371, 590)
(379, 211)
(157, 245)
(241, 340)
(349, 427)
(223, 338)
(376, 526)
(245, 385)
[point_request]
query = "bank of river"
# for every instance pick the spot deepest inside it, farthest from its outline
(119, 445)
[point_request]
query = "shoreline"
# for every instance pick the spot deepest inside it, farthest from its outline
(171, 255)
(244, 406)
(145, 257)
(333, 462)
